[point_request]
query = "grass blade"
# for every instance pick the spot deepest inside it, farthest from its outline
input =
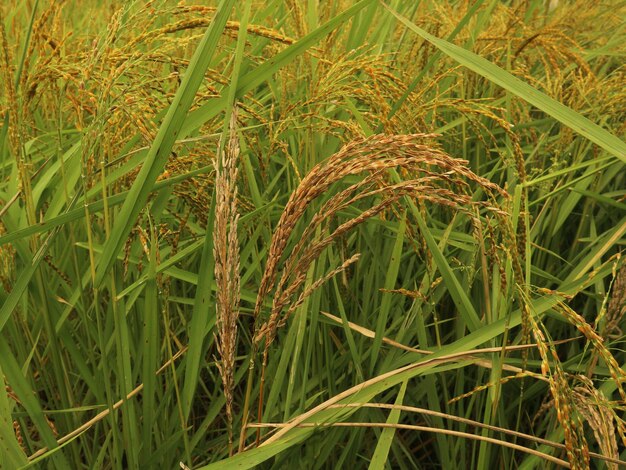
(501, 77)
(381, 453)
(161, 147)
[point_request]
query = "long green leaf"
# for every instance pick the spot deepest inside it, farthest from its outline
(390, 283)
(379, 459)
(501, 77)
(161, 147)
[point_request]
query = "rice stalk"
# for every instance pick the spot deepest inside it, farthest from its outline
(567, 415)
(373, 155)
(226, 254)
(616, 308)
(596, 410)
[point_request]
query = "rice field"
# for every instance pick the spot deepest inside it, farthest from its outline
(312, 234)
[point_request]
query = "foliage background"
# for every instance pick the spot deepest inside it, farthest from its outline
(111, 257)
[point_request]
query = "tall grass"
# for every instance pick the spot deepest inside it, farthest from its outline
(312, 234)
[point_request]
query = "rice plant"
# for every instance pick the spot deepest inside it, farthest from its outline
(324, 234)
